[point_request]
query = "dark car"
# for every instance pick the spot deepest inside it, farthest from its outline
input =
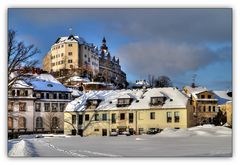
(153, 131)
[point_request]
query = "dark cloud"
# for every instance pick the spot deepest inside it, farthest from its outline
(176, 25)
(165, 58)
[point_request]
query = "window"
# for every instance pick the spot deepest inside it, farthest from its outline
(69, 61)
(55, 122)
(169, 117)
(66, 96)
(42, 95)
(88, 59)
(85, 55)
(73, 119)
(26, 92)
(209, 108)
(39, 122)
(209, 96)
(96, 130)
(202, 97)
(87, 117)
(204, 109)
(104, 117)
(18, 93)
(22, 106)
(37, 107)
(96, 117)
(22, 93)
(22, 122)
(10, 123)
(13, 92)
(60, 96)
(152, 115)
(69, 53)
(113, 118)
(54, 107)
(122, 116)
(176, 117)
(62, 107)
(70, 45)
(130, 118)
(157, 100)
(214, 109)
(62, 46)
(50, 96)
(62, 54)
(10, 106)
(123, 102)
(80, 119)
(47, 107)
(55, 96)
(47, 95)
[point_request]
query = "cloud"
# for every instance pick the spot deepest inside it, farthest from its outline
(165, 58)
(182, 25)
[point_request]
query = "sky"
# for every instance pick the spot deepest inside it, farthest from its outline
(178, 43)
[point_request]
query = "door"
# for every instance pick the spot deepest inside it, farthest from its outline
(104, 132)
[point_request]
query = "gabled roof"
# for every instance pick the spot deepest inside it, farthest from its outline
(141, 99)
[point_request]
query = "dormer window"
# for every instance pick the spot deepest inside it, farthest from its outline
(157, 100)
(125, 100)
(93, 103)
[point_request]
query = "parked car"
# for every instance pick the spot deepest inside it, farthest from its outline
(153, 131)
(113, 134)
(126, 133)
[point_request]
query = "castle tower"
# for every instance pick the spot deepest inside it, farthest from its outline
(104, 47)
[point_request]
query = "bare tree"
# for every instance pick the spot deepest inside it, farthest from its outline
(163, 81)
(19, 57)
(52, 124)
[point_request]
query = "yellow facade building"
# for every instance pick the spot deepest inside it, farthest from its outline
(103, 113)
(72, 52)
(205, 105)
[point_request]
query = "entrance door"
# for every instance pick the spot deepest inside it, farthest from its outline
(104, 132)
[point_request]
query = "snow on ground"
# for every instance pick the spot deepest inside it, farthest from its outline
(205, 130)
(207, 140)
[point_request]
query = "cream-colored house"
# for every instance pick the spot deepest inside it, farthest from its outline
(133, 111)
(205, 105)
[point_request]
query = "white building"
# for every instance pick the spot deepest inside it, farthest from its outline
(36, 104)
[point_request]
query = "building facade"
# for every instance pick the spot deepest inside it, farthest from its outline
(36, 105)
(72, 53)
(110, 68)
(104, 113)
(205, 105)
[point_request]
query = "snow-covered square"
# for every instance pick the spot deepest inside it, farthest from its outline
(206, 140)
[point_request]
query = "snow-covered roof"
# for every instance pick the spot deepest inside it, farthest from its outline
(21, 84)
(142, 83)
(141, 99)
(78, 79)
(75, 92)
(222, 96)
(46, 82)
(196, 90)
(71, 39)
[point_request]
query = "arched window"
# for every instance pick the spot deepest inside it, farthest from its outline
(39, 122)
(54, 122)
(10, 123)
(22, 122)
